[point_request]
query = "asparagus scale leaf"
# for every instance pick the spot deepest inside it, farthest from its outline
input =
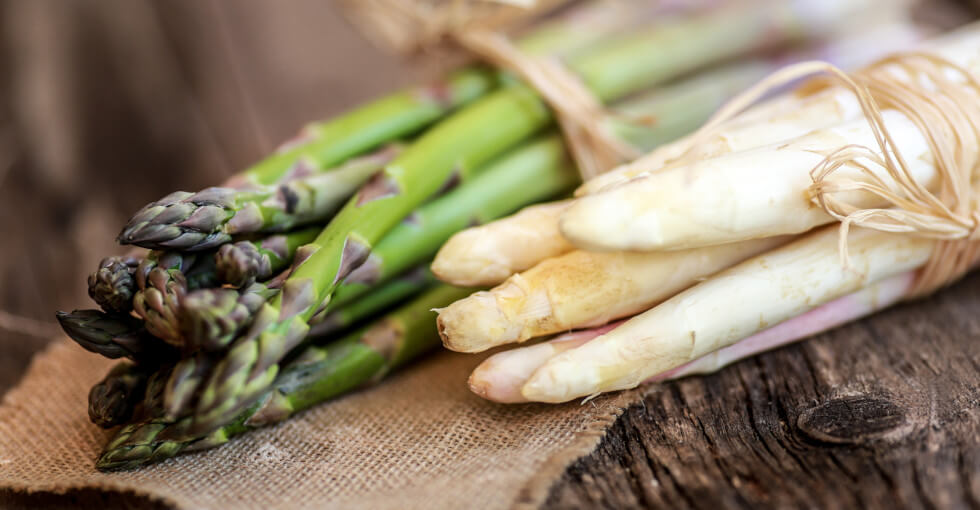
(241, 264)
(113, 336)
(112, 285)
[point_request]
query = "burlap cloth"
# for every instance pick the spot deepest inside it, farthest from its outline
(418, 440)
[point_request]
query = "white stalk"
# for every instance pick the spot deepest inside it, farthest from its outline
(745, 195)
(488, 254)
(755, 193)
(579, 290)
(730, 306)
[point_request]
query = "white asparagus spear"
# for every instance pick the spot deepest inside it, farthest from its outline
(730, 306)
(581, 289)
(875, 297)
(755, 193)
(488, 254)
(745, 195)
(785, 117)
(500, 377)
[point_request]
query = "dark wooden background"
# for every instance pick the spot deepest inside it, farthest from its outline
(108, 104)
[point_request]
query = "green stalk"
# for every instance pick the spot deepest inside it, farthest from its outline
(113, 336)
(324, 145)
(241, 264)
(318, 374)
(384, 296)
(466, 139)
(209, 218)
(683, 106)
(538, 170)
(112, 400)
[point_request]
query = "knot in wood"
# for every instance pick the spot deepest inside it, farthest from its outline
(851, 420)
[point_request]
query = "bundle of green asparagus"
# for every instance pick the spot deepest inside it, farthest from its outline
(726, 244)
(305, 276)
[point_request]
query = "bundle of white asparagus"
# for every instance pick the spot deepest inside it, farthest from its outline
(716, 247)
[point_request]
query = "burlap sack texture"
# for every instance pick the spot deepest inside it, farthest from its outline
(418, 440)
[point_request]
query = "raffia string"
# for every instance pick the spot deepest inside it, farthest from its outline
(410, 26)
(580, 115)
(477, 26)
(943, 100)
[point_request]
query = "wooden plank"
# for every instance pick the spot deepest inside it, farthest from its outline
(880, 414)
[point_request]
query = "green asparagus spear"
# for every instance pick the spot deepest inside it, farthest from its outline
(112, 285)
(113, 336)
(384, 296)
(318, 374)
(241, 264)
(468, 138)
(324, 145)
(536, 171)
(112, 400)
(209, 218)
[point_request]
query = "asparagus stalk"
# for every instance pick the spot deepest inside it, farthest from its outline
(772, 288)
(209, 218)
(458, 143)
(324, 145)
(384, 296)
(113, 336)
(745, 195)
(320, 373)
(500, 377)
(877, 296)
(112, 400)
(241, 264)
(489, 254)
(112, 285)
(538, 170)
(579, 290)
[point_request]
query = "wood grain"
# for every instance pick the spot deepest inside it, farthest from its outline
(883, 413)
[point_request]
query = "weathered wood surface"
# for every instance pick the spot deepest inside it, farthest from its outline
(127, 98)
(884, 413)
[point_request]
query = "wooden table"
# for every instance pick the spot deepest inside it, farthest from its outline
(104, 104)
